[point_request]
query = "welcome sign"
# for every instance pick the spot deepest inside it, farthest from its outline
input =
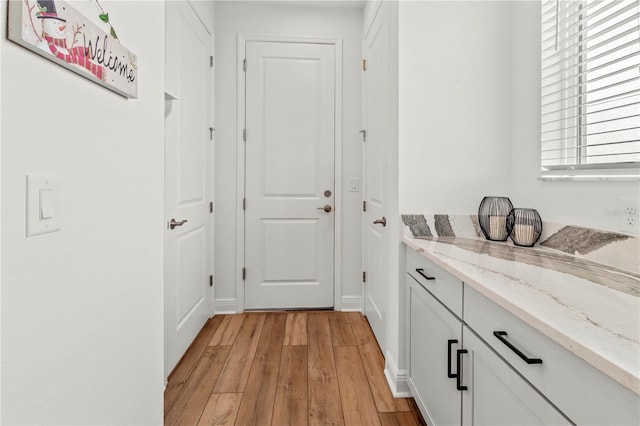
(55, 30)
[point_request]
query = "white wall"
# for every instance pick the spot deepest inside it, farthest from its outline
(453, 125)
(284, 19)
(2, 5)
(590, 204)
(82, 309)
(470, 116)
(455, 138)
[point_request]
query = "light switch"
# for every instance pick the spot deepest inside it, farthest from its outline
(46, 204)
(43, 214)
(354, 184)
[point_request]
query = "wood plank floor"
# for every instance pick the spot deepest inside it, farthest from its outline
(285, 368)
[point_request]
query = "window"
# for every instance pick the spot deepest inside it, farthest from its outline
(590, 112)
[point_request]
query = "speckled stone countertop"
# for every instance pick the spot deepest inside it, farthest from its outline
(590, 308)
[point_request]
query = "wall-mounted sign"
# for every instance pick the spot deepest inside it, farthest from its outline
(55, 30)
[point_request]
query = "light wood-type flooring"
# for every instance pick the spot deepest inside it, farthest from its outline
(285, 368)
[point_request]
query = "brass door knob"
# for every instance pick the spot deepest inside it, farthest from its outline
(326, 208)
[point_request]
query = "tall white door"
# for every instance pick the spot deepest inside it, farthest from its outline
(376, 118)
(187, 180)
(290, 135)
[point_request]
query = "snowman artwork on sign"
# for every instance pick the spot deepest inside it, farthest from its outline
(55, 40)
(55, 30)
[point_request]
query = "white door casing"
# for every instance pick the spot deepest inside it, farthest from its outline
(375, 170)
(289, 179)
(188, 164)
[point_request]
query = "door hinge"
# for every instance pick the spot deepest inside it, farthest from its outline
(244, 274)
(210, 280)
(244, 204)
(244, 135)
(364, 277)
(211, 61)
(211, 130)
(210, 206)
(244, 65)
(364, 135)
(364, 65)
(364, 206)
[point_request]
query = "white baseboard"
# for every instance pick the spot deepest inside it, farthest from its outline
(351, 303)
(397, 379)
(230, 306)
(225, 306)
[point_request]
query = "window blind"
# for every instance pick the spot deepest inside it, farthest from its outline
(590, 110)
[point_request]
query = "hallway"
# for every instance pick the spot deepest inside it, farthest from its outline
(285, 368)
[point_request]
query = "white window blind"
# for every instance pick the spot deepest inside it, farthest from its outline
(590, 85)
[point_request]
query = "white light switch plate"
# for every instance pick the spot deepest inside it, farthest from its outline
(43, 211)
(354, 184)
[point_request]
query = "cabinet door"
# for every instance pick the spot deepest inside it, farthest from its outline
(432, 326)
(496, 394)
(584, 393)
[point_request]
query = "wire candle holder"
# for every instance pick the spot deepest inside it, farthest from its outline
(492, 216)
(526, 226)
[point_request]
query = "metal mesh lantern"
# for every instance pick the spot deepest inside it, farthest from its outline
(492, 216)
(526, 226)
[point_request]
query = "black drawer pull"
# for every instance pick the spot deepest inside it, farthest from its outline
(502, 336)
(449, 373)
(426, 277)
(459, 384)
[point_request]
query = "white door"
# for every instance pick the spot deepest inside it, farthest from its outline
(289, 237)
(376, 119)
(187, 184)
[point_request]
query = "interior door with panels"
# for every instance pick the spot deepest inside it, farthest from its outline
(187, 166)
(289, 194)
(376, 119)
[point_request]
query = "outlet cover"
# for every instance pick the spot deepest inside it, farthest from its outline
(629, 215)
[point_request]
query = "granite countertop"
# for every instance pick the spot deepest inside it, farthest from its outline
(590, 308)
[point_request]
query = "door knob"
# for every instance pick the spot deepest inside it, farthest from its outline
(326, 208)
(173, 223)
(382, 221)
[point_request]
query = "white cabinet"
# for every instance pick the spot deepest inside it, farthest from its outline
(583, 393)
(435, 335)
(444, 286)
(496, 394)
(455, 376)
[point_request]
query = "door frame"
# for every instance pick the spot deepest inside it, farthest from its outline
(243, 38)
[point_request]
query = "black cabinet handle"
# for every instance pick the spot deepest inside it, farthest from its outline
(426, 277)
(502, 336)
(459, 384)
(449, 373)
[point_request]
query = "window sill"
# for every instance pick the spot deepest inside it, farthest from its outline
(562, 177)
